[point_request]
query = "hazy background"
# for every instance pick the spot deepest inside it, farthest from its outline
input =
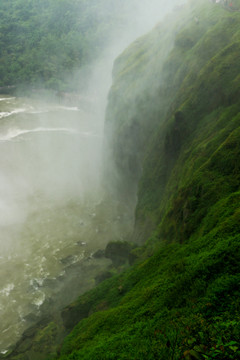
(50, 169)
(60, 157)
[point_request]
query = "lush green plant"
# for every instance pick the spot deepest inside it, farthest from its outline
(180, 121)
(46, 43)
(182, 302)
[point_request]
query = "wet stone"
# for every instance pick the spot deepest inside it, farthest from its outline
(68, 260)
(99, 254)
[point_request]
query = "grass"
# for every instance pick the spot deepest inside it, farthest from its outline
(182, 298)
(183, 301)
(177, 117)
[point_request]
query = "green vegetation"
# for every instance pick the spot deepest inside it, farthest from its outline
(182, 302)
(46, 43)
(182, 299)
(174, 117)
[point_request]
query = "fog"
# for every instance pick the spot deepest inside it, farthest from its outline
(50, 180)
(63, 158)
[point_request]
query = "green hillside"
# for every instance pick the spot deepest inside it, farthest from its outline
(177, 118)
(46, 43)
(173, 140)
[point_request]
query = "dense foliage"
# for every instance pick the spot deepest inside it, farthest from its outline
(44, 43)
(174, 113)
(183, 302)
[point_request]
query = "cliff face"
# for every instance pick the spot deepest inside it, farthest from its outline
(172, 148)
(170, 115)
(137, 104)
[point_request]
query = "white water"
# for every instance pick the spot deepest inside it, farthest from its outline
(49, 187)
(13, 133)
(6, 113)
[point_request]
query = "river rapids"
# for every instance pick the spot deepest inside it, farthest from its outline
(50, 156)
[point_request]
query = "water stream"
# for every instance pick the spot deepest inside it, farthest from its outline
(50, 157)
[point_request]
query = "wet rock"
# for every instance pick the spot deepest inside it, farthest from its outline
(118, 252)
(31, 317)
(68, 260)
(47, 305)
(26, 342)
(49, 282)
(99, 254)
(80, 243)
(24, 346)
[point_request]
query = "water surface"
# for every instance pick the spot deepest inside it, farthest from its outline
(50, 156)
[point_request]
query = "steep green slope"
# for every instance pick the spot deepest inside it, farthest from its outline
(162, 107)
(183, 302)
(173, 130)
(184, 299)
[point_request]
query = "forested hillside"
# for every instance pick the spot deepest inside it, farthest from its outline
(46, 43)
(173, 142)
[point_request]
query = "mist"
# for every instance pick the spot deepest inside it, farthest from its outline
(50, 165)
(51, 175)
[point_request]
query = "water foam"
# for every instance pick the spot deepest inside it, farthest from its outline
(9, 113)
(39, 299)
(7, 98)
(67, 108)
(13, 133)
(3, 352)
(38, 111)
(6, 291)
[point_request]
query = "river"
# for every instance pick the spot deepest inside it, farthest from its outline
(50, 156)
